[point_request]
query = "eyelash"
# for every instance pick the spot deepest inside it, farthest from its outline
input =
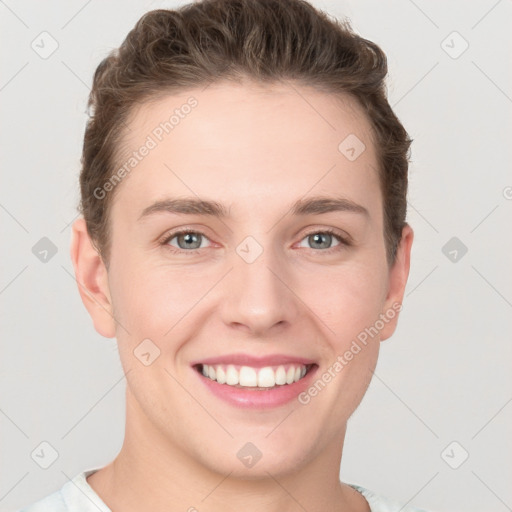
(169, 237)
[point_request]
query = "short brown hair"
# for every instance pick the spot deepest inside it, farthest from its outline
(263, 40)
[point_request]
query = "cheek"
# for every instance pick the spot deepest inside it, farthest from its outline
(347, 299)
(151, 301)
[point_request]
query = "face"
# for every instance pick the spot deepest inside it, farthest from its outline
(286, 281)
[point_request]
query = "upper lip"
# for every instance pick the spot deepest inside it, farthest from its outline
(254, 361)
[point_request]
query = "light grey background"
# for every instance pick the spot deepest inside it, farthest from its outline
(443, 377)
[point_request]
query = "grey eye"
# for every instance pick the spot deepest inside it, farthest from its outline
(321, 240)
(188, 240)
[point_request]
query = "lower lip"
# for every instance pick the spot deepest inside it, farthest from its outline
(258, 398)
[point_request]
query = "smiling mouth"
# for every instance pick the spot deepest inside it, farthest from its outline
(251, 378)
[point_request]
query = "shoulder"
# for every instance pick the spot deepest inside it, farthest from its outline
(53, 502)
(76, 495)
(382, 504)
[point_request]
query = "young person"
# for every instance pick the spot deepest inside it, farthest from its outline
(243, 237)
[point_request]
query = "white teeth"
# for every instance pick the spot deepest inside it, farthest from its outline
(266, 378)
(231, 376)
(221, 375)
(246, 376)
(281, 376)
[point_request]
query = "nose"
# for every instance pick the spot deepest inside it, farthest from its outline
(258, 293)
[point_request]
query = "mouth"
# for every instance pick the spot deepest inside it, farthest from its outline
(254, 383)
(252, 378)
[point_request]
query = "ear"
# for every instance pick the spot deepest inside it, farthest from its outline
(92, 279)
(398, 275)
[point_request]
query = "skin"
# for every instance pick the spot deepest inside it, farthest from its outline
(257, 149)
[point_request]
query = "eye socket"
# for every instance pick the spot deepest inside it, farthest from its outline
(193, 236)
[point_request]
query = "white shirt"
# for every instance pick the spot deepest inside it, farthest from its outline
(78, 496)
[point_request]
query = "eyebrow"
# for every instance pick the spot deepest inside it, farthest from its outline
(195, 206)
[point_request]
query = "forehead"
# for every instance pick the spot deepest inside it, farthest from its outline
(240, 143)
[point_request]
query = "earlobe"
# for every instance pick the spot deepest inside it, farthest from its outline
(398, 275)
(92, 279)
